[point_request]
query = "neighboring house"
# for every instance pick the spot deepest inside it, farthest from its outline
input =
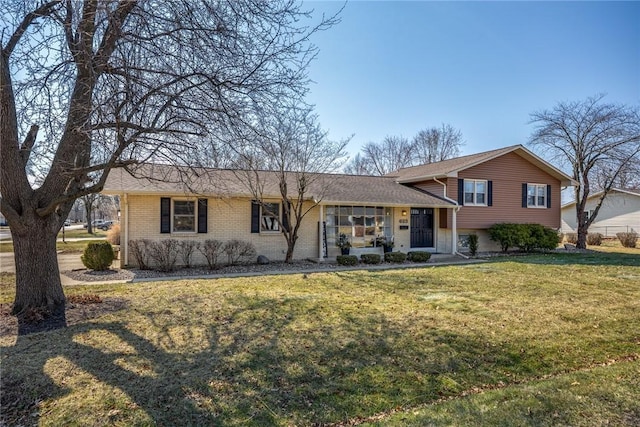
(420, 208)
(620, 212)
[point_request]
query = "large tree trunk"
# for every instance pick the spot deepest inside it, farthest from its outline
(289, 256)
(40, 301)
(582, 236)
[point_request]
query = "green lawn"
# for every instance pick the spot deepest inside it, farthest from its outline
(82, 234)
(534, 340)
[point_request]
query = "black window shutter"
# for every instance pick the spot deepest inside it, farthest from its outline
(461, 192)
(202, 215)
(255, 217)
(548, 196)
(165, 215)
(524, 194)
(489, 193)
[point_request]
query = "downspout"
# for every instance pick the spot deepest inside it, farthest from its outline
(454, 225)
(320, 237)
(125, 250)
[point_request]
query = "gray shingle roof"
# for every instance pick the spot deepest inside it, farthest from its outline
(330, 188)
(452, 166)
(446, 167)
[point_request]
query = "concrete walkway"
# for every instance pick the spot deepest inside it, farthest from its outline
(65, 262)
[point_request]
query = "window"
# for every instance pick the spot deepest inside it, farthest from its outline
(475, 192)
(269, 217)
(184, 216)
(536, 195)
(364, 225)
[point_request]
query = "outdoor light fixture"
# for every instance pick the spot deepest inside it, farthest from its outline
(404, 212)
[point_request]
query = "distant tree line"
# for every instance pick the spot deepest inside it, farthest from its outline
(395, 152)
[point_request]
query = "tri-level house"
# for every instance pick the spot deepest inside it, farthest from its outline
(509, 184)
(430, 207)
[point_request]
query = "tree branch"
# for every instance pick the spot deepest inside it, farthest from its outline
(27, 145)
(43, 10)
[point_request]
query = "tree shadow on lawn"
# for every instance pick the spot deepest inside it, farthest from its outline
(587, 258)
(260, 364)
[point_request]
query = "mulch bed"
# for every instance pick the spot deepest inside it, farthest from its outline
(80, 311)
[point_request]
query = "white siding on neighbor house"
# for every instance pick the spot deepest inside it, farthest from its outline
(620, 212)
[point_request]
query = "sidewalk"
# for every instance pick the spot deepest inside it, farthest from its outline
(65, 262)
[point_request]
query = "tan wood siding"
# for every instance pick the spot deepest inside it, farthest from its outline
(508, 173)
(432, 187)
(443, 218)
(446, 215)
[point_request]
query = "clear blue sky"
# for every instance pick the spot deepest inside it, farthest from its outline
(394, 68)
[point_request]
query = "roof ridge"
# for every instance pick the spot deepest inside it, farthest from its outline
(459, 158)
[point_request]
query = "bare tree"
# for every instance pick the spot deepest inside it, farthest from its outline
(90, 202)
(288, 153)
(396, 152)
(393, 153)
(627, 178)
(358, 165)
(88, 86)
(436, 144)
(598, 141)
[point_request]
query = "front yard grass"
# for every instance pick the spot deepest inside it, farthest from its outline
(532, 340)
(82, 234)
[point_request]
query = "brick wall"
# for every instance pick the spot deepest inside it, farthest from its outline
(227, 219)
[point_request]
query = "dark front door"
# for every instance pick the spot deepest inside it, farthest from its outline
(421, 227)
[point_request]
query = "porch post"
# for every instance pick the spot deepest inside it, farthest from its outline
(124, 233)
(320, 220)
(454, 232)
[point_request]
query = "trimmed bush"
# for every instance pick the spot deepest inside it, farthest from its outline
(212, 250)
(537, 236)
(628, 240)
(371, 258)
(527, 237)
(419, 256)
(395, 257)
(140, 253)
(347, 260)
(186, 249)
(594, 239)
(571, 238)
(164, 253)
(98, 256)
(238, 249)
(507, 235)
(473, 244)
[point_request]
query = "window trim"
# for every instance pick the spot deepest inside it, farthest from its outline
(475, 192)
(536, 205)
